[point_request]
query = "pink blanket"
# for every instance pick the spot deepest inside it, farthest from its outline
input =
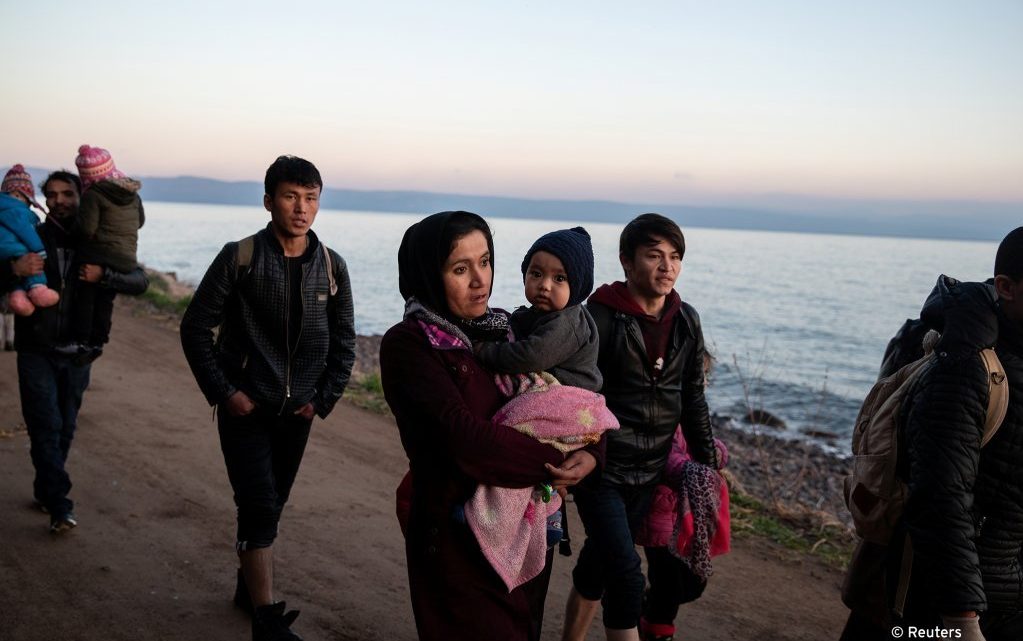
(511, 524)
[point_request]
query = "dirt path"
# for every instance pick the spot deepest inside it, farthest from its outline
(152, 557)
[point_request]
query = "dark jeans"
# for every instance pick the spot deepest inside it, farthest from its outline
(262, 452)
(672, 583)
(51, 389)
(92, 314)
(609, 567)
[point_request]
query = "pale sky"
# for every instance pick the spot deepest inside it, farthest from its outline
(667, 102)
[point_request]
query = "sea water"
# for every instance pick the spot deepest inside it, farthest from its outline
(797, 322)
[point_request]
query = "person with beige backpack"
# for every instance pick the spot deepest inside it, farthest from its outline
(936, 491)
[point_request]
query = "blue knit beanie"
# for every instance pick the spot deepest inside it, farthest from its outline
(574, 250)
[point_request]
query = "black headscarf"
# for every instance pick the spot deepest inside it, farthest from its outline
(424, 250)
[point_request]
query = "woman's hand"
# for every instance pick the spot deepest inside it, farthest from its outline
(573, 470)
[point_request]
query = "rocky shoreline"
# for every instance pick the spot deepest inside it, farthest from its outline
(791, 476)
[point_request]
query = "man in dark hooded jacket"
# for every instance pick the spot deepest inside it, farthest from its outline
(964, 512)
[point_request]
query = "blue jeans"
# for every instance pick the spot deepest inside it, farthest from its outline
(609, 566)
(51, 390)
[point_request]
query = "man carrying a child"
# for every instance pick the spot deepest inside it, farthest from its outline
(51, 380)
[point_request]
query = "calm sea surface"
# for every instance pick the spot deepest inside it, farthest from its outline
(798, 322)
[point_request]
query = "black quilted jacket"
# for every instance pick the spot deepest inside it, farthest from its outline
(964, 513)
(650, 409)
(251, 351)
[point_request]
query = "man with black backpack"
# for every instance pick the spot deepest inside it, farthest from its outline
(953, 557)
(283, 353)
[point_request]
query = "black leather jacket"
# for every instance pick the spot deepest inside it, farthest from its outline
(964, 512)
(649, 409)
(49, 327)
(251, 352)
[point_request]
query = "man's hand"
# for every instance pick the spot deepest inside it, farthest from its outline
(574, 469)
(28, 265)
(239, 404)
(90, 273)
(307, 411)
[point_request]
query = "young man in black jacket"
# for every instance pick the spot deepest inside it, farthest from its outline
(52, 378)
(651, 358)
(283, 354)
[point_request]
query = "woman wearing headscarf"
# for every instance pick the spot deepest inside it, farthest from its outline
(442, 400)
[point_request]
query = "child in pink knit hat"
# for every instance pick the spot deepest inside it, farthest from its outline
(18, 237)
(109, 218)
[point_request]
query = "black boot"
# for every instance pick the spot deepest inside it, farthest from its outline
(272, 623)
(242, 600)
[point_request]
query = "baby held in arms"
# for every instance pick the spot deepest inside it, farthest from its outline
(18, 237)
(550, 373)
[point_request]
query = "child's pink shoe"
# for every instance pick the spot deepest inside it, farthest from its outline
(18, 303)
(43, 296)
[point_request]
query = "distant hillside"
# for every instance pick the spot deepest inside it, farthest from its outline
(960, 220)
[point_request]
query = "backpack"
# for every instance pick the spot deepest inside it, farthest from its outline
(243, 266)
(246, 247)
(874, 493)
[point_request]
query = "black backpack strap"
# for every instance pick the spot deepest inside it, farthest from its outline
(603, 318)
(606, 320)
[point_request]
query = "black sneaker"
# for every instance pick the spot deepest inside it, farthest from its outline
(272, 623)
(38, 505)
(61, 524)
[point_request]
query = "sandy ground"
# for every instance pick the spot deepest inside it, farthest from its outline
(153, 556)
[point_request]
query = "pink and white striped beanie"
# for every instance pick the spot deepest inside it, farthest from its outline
(95, 164)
